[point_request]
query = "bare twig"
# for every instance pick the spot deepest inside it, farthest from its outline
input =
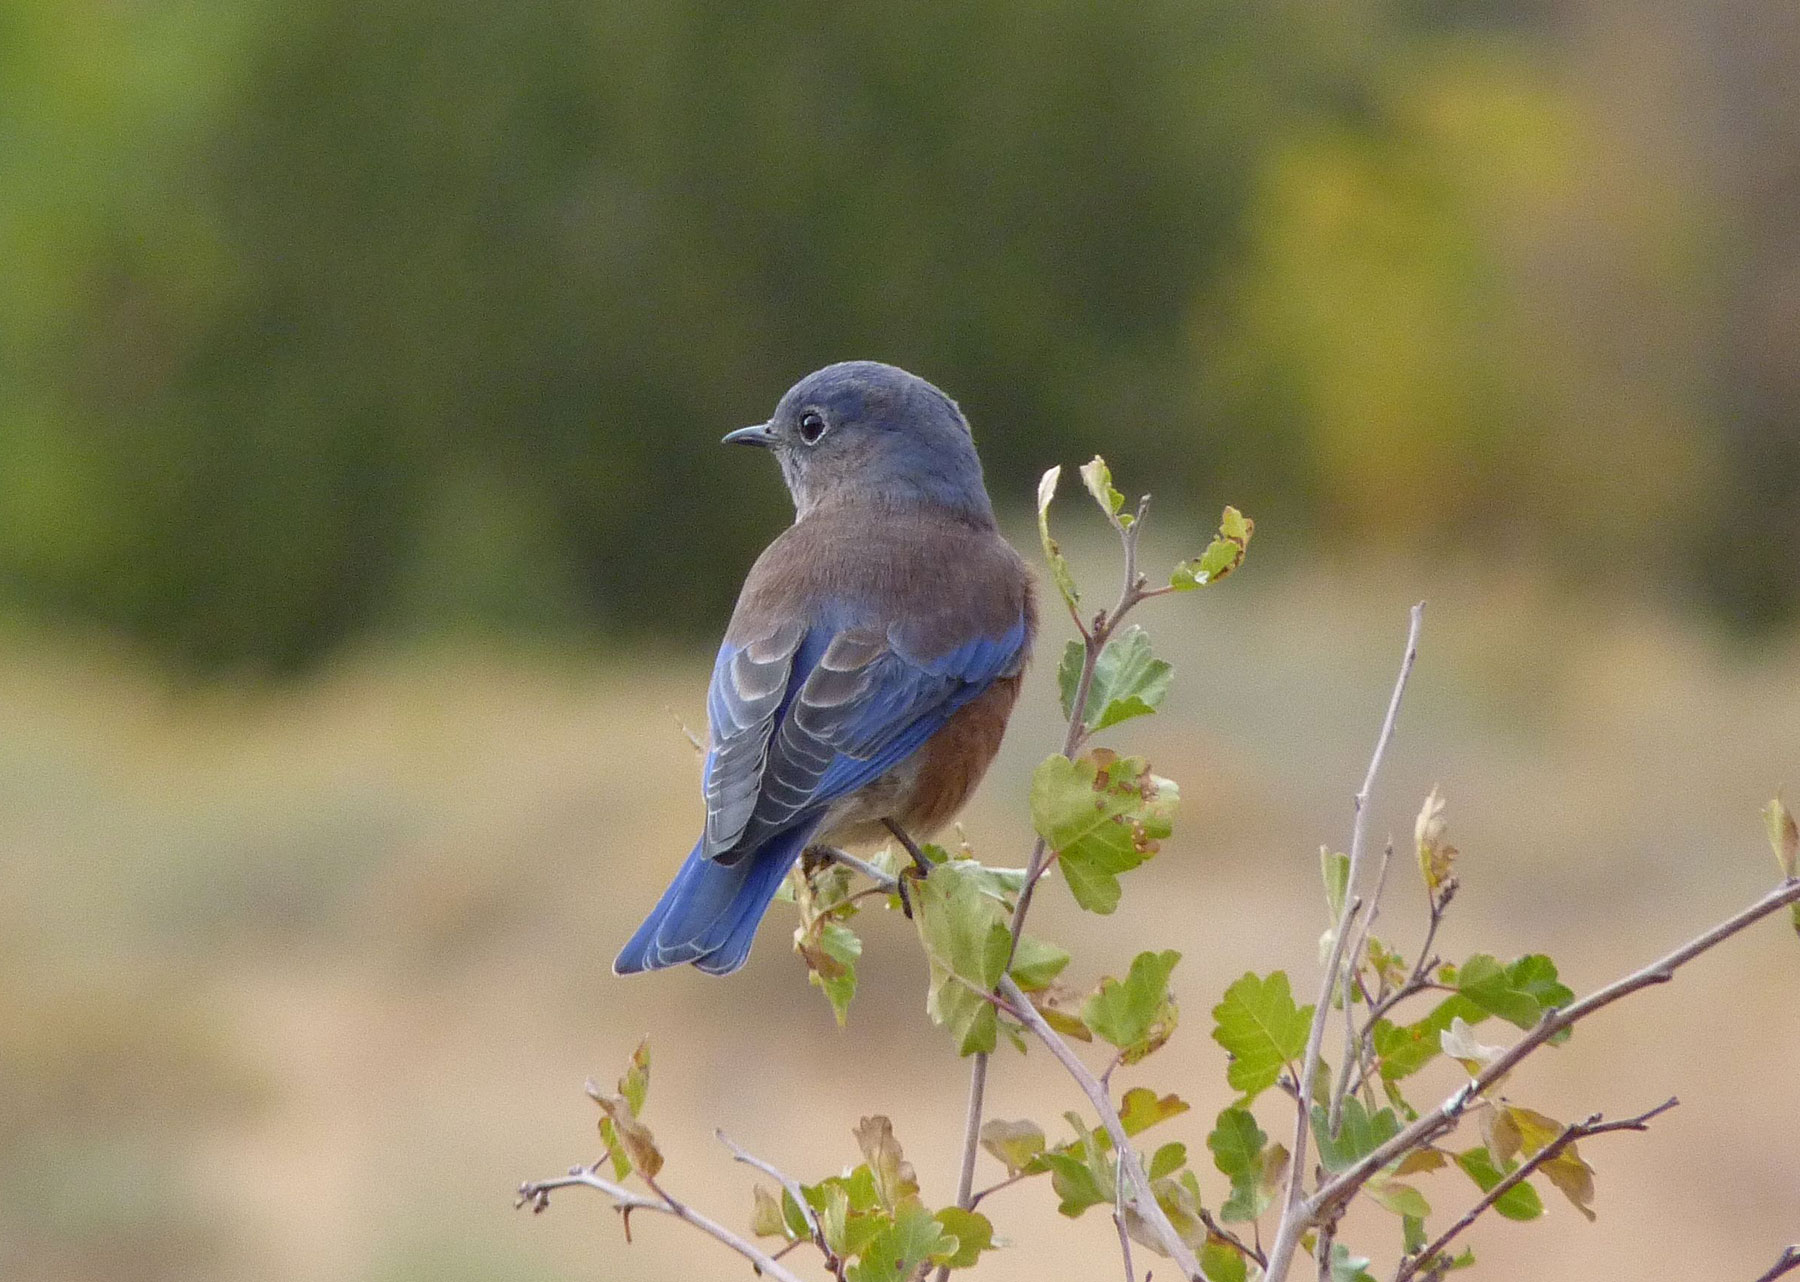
(1327, 1235)
(537, 1194)
(1143, 1198)
(1444, 1118)
(1785, 1263)
(890, 884)
(793, 1190)
(1226, 1235)
(976, 1197)
(1287, 1236)
(1119, 1220)
(1595, 1125)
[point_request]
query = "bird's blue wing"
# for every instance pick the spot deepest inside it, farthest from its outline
(852, 704)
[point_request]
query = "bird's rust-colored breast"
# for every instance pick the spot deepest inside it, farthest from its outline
(952, 762)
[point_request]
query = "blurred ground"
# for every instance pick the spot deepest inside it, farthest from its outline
(298, 986)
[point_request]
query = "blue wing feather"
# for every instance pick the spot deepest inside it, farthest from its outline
(851, 706)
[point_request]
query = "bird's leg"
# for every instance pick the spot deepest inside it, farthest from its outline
(912, 847)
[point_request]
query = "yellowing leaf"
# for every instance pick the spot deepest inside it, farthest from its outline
(1574, 1178)
(1398, 1197)
(1223, 555)
(766, 1219)
(633, 1136)
(893, 1174)
(1014, 1143)
(1098, 479)
(1102, 815)
(1435, 856)
(972, 1232)
(1420, 1160)
(1784, 836)
(1059, 566)
(1143, 1108)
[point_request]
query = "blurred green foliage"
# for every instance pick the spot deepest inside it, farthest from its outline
(335, 317)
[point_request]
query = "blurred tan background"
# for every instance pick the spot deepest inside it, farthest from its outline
(363, 538)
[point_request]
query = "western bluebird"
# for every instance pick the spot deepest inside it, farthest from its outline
(869, 669)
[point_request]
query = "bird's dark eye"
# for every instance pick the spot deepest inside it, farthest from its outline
(812, 426)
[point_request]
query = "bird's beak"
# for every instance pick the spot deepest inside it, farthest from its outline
(756, 434)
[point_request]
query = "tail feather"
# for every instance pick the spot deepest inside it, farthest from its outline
(710, 912)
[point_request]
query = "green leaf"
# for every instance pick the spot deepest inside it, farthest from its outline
(1223, 555)
(1335, 869)
(1014, 1143)
(1535, 974)
(1075, 1183)
(1129, 680)
(1261, 1029)
(1102, 815)
(973, 1232)
(842, 947)
(1484, 981)
(1405, 1049)
(1037, 963)
(1059, 566)
(1346, 1267)
(1239, 1151)
(964, 930)
(794, 1218)
(1135, 1014)
(1359, 1134)
(1143, 1108)
(1098, 479)
(1237, 1145)
(1412, 1234)
(1221, 1262)
(1518, 992)
(1168, 1159)
(1068, 676)
(1520, 1202)
(896, 1253)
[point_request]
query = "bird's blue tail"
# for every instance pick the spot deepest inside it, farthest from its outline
(710, 912)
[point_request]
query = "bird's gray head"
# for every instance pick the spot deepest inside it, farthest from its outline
(864, 431)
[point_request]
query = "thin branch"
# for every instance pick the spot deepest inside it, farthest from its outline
(1224, 1234)
(1353, 1037)
(1785, 1263)
(1093, 642)
(1287, 1236)
(793, 1190)
(976, 1197)
(1327, 1236)
(889, 884)
(1444, 1118)
(625, 1201)
(1143, 1198)
(1594, 1125)
(1119, 1220)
